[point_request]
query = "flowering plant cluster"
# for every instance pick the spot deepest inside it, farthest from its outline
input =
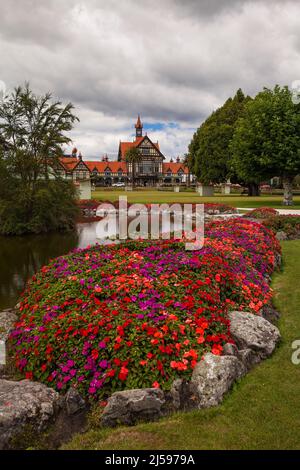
(261, 213)
(142, 313)
(88, 208)
(290, 224)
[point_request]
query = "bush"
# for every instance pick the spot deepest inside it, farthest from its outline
(51, 207)
(140, 314)
(290, 224)
(261, 213)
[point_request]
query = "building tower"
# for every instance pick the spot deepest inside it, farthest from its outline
(138, 128)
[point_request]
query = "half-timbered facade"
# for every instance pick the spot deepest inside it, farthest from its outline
(151, 170)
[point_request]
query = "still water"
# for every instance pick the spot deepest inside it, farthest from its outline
(21, 257)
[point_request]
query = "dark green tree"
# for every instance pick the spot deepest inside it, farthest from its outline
(133, 156)
(266, 141)
(32, 134)
(209, 155)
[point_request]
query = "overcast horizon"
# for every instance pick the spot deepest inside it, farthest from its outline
(173, 62)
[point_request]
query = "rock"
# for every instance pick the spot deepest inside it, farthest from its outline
(278, 260)
(281, 236)
(213, 377)
(131, 406)
(269, 313)
(7, 321)
(25, 403)
(74, 402)
(182, 396)
(253, 332)
(249, 358)
(230, 349)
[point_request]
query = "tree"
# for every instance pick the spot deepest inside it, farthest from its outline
(266, 141)
(209, 151)
(32, 134)
(133, 156)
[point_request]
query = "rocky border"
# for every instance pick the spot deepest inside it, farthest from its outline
(31, 404)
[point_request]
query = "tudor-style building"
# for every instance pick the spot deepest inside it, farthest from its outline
(151, 170)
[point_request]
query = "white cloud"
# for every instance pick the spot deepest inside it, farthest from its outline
(171, 61)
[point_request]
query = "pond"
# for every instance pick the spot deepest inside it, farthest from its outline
(21, 257)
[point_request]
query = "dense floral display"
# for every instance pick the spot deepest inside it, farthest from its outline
(89, 207)
(261, 213)
(142, 313)
(290, 224)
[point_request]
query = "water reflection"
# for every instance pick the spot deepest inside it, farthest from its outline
(21, 257)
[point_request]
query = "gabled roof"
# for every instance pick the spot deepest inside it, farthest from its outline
(124, 146)
(174, 168)
(101, 166)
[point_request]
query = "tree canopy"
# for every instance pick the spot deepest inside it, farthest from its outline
(266, 141)
(209, 154)
(32, 135)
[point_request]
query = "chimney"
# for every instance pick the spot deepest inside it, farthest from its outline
(178, 159)
(74, 152)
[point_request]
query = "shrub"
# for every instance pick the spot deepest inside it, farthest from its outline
(140, 314)
(261, 213)
(290, 224)
(51, 207)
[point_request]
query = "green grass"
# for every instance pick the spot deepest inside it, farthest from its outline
(154, 196)
(261, 412)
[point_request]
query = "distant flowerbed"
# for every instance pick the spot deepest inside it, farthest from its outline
(261, 213)
(143, 313)
(290, 224)
(89, 207)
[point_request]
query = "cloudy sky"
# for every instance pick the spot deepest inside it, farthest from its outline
(172, 61)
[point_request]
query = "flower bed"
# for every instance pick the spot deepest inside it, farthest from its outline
(142, 313)
(289, 224)
(88, 208)
(261, 213)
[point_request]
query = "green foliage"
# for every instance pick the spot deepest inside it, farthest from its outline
(51, 207)
(133, 156)
(209, 151)
(266, 141)
(32, 133)
(290, 224)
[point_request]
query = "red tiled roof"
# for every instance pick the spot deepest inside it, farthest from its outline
(101, 166)
(69, 163)
(124, 146)
(174, 167)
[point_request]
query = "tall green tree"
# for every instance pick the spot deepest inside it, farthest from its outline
(33, 131)
(133, 156)
(209, 155)
(266, 141)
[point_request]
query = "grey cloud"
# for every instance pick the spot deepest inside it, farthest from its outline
(170, 61)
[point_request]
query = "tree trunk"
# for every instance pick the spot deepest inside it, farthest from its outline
(288, 191)
(253, 189)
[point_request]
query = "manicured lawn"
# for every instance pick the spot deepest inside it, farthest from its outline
(148, 197)
(263, 410)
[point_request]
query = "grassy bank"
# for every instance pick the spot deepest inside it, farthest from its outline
(263, 410)
(148, 197)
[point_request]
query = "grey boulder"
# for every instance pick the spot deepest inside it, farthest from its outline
(213, 377)
(25, 403)
(7, 321)
(129, 406)
(253, 332)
